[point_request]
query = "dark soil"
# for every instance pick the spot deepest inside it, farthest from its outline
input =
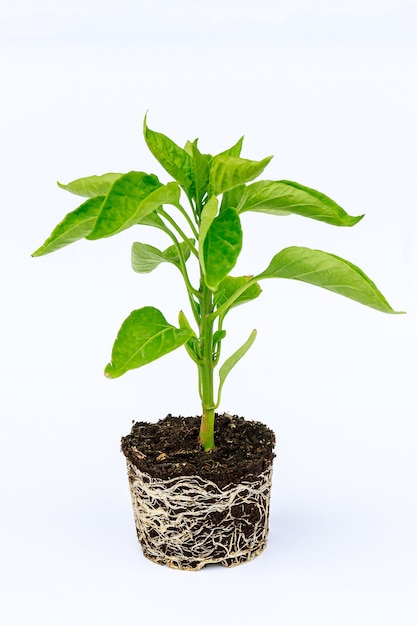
(170, 448)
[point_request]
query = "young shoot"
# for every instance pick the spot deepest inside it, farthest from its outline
(200, 213)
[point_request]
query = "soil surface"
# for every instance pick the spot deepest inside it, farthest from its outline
(170, 448)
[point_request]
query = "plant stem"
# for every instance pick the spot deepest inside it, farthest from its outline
(183, 269)
(189, 220)
(179, 230)
(206, 369)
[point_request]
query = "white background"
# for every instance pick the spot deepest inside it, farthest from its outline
(329, 88)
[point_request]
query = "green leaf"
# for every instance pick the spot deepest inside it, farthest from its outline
(218, 337)
(232, 199)
(208, 214)
(222, 246)
(229, 364)
(146, 258)
(91, 186)
(192, 346)
(144, 337)
(184, 323)
(227, 172)
(123, 203)
(175, 160)
(167, 194)
(235, 150)
(328, 271)
(284, 197)
(74, 226)
(230, 285)
(189, 147)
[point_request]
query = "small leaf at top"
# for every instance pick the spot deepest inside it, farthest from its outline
(222, 246)
(146, 258)
(189, 147)
(121, 205)
(75, 225)
(144, 337)
(91, 186)
(230, 285)
(227, 172)
(175, 160)
(284, 197)
(235, 150)
(328, 271)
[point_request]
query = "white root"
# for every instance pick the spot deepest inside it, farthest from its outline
(188, 522)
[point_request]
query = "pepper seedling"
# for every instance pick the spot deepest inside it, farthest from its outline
(200, 211)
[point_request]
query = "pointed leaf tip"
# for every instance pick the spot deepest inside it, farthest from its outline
(91, 186)
(75, 225)
(107, 371)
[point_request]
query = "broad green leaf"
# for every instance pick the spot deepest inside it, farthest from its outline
(175, 160)
(144, 337)
(229, 364)
(328, 271)
(235, 150)
(75, 225)
(146, 258)
(208, 214)
(230, 285)
(227, 172)
(91, 186)
(222, 246)
(122, 203)
(284, 197)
